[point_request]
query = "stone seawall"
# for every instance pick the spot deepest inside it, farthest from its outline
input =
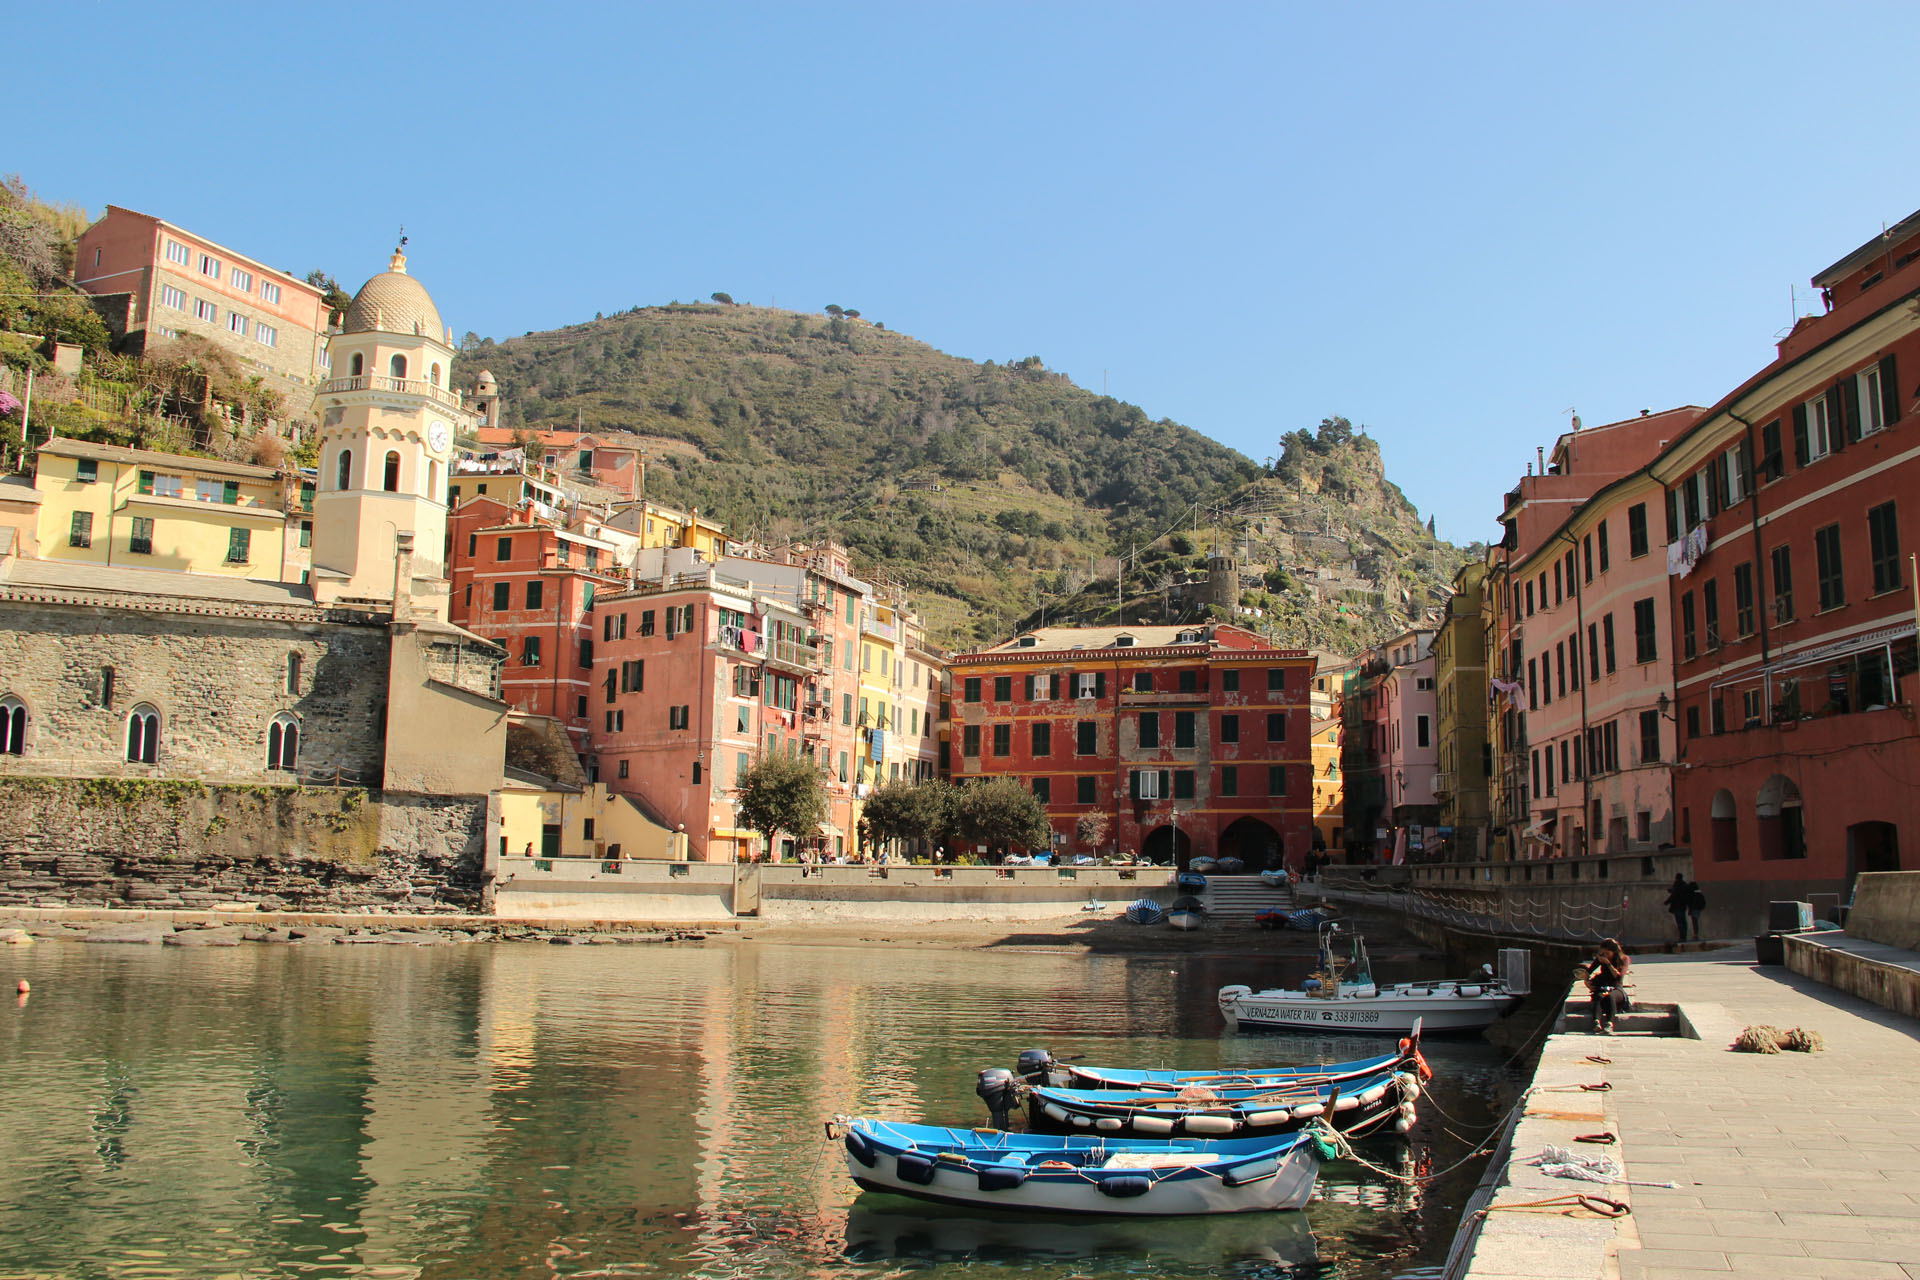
(108, 842)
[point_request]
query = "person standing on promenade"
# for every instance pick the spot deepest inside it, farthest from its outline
(1696, 903)
(1679, 896)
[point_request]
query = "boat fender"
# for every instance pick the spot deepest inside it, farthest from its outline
(1000, 1177)
(1409, 1084)
(1469, 991)
(1419, 991)
(1209, 1124)
(860, 1148)
(1109, 1123)
(916, 1169)
(1373, 1095)
(1083, 1122)
(1234, 993)
(1402, 1125)
(1058, 1112)
(1152, 1124)
(1261, 1119)
(1346, 1104)
(1122, 1188)
(1253, 1171)
(1309, 1111)
(1406, 1111)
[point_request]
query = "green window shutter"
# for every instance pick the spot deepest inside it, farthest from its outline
(146, 482)
(1166, 784)
(1133, 784)
(1842, 427)
(1889, 390)
(238, 544)
(230, 493)
(1099, 684)
(1802, 453)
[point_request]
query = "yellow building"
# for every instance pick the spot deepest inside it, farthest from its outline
(662, 526)
(1329, 787)
(542, 818)
(133, 508)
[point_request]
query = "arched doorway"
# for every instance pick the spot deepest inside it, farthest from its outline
(1871, 846)
(1254, 843)
(1166, 846)
(1726, 828)
(1783, 831)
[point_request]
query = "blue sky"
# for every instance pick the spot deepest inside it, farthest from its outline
(1450, 223)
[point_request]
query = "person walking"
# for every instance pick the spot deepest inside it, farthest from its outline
(1696, 903)
(1678, 896)
(1606, 975)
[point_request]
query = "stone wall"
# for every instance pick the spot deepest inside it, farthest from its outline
(110, 842)
(217, 682)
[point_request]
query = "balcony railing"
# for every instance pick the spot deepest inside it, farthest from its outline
(405, 386)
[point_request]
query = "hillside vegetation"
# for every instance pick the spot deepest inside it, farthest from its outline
(989, 490)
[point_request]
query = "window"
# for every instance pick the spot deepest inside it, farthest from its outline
(13, 726)
(1183, 784)
(502, 600)
(972, 689)
(1883, 536)
(1689, 638)
(846, 708)
(392, 481)
(293, 674)
(1149, 729)
(612, 683)
(204, 310)
(1183, 722)
(1053, 686)
(1276, 779)
(1143, 682)
(1189, 681)
(433, 378)
(1826, 556)
(970, 740)
(356, 364)
(1772, 463)
(646, 623)
(1813, 435)
(140, 541)
(209, 266)
(1710, 611)
(1145, 784)
(1536, 771)
(1085, 733)
(1782, 584)
(1229, 728)
(1027, 687)
(623, 769)
(1693, 722)
(80, 533)
(177, 253)
(1042, 739)
(1084, 792)
(1743, 610)
(1002, 685)
(237, 323)
(536, 593)
(1276, 726)
(1043, 790)
(1276, 679)
(1529, 597)
(1560, 668)
(283, 743)
(1645, 646)
(343, 470)
(1649, 737)
(1586, 558)
(143, 734)
(1533, 685)
(1230, 781)
(1422, 731)
(1593, 651)
(1003, 740)
(397, 368)
(1557, 596)
(171, 296)
(266, 335)
(269, 292)
(1601, 536)
(530, 651)
(1090, 684)
(679, 717)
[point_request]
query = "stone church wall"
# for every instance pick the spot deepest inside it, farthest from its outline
(115, 842)
(217, 682)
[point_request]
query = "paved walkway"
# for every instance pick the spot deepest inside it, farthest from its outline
(1801, 1165)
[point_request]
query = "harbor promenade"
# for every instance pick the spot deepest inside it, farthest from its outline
(1790, 1164)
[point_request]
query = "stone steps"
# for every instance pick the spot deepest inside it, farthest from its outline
(1235, 900)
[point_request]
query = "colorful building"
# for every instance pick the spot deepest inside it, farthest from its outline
(1329, 784)
(1460, 672)
(1168, 741)
(1389, 750)
(1794, 601)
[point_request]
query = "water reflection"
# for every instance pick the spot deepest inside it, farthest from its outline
(530, 1110)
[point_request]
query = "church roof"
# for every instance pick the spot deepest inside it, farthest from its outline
(394, 302)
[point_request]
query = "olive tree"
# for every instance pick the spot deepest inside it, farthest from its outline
(781, 793)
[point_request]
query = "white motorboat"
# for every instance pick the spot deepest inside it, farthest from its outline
(1326, 1002)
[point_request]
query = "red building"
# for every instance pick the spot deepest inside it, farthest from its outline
(530, 587)
(1169, 741)
(1794, 603)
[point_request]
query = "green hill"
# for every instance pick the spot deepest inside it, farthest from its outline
(988, 490)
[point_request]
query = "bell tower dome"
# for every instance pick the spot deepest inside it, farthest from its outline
(387, 420)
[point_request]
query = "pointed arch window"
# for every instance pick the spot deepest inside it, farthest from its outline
(143, 734)
(356, 365)
(343, 478)
(392, 481)
(13, 726)
(283, 743)
(398, 368)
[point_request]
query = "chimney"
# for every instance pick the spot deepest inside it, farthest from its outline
(402, 574)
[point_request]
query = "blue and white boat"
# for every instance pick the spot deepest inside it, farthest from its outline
(1037, 1066)
(1145, 911)
(1000, 1171)
(1380, 1102)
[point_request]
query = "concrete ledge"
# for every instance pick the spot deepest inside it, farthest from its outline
(1883, 975)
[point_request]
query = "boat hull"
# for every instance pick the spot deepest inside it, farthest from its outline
(1384, 1015)
(1071, 1076)
(1360, 1107)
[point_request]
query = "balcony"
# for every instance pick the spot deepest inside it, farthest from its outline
(1442, 785)
(794, 655)
(400, 386)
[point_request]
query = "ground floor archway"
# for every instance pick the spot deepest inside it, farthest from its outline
(1166, 845)
(1254, 843)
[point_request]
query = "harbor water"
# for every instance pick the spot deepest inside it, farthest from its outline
(533, 1110)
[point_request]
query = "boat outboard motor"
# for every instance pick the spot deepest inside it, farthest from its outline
(1035, 1066)
(1000, 1091)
